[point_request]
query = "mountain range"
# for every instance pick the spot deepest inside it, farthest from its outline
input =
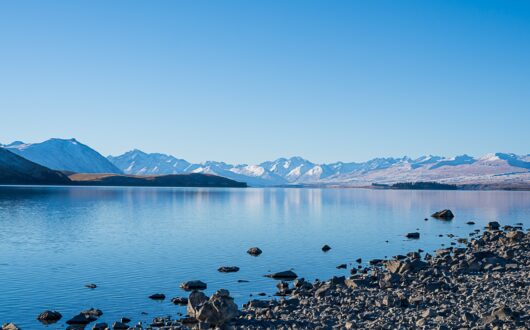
(464, 169)
(491, 169)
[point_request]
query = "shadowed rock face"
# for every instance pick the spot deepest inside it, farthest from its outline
(18, 170)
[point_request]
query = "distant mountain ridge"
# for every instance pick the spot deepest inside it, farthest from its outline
(499, 168)
(463, 169)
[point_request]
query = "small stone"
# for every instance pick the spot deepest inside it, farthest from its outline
(444, 215)
(95, 312)
(100, 326)
(342, 266)
(180, 301)
(49, 317)
(326, 248)
(228, 269)
(428, 313)
(515, 235)
(413, 235)
(254, 251)
(157, 296)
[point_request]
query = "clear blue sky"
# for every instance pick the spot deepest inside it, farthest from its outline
(247, 81)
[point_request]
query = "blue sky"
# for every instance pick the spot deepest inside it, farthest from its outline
(247, 81)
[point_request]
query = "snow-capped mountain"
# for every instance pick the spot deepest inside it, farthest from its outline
(296, 170)
(63, 155)
(138, 162)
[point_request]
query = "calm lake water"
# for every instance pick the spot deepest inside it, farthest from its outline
(133, 242)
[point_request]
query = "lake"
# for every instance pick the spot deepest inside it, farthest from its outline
(134, 242)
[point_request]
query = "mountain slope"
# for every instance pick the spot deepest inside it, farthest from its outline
(17, 170)
(64, 155)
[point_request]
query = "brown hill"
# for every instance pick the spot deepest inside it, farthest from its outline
(176, 180)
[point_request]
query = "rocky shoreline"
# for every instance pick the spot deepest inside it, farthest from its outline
(482, 284)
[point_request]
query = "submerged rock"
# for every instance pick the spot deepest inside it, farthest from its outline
(95, 312)
(91, 286)
(180, 301)
(288, 275)
(49, 316)
(254, 251)
(228, 269)
(157, 296)
(81, 319)
(100, 326)
(493, 225)
(120, 326)
(193, 285)
(326, 248)
(413, 235)
(444, 214)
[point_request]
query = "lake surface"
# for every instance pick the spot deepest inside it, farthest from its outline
(133, 242)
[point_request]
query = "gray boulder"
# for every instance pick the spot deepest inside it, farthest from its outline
(218, 310)
(195, 301)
